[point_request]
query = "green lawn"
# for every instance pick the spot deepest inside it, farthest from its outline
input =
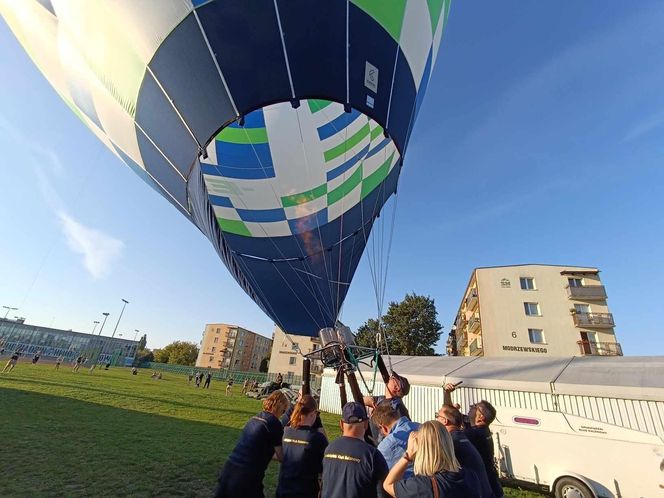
(114, 434)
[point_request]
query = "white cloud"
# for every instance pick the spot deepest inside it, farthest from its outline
(645, 126)
(99, 250)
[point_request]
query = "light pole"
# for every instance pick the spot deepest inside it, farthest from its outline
(102, 325)
(8, 308)
(120, 317)
(137, 331)
(96, 322)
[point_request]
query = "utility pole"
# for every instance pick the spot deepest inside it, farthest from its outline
(120, 317)
(96, 322)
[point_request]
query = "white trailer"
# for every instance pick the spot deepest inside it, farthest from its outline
(580, 427)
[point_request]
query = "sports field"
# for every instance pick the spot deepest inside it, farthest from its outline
(115, 434)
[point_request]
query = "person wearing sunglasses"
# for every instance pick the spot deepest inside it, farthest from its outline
(480, 415)
(303, 448)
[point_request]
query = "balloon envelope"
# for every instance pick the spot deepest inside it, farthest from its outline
(277, 127)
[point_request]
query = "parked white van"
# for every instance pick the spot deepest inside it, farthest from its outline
(579, 427)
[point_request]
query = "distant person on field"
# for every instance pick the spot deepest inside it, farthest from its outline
(208, 378)
(197, 379)
(396, 388)
(229, 386)
(261, 440)
(466, 453)
(77, 363)
(480, 416)
(11, 363)
(58, 362)
(245, 386)
(36, 357)
(437, 471)
(279, 380)
(303, 448)
(134, 371)
(352, 468)
(395, 430)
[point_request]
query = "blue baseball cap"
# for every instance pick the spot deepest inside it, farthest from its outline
(353, 413)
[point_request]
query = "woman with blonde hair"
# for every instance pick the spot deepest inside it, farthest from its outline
(437, 471)
(303, 449)
(242, 475)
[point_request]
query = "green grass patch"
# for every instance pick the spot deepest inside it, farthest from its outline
(114, 434)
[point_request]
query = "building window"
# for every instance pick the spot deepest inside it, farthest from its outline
(216, 339)
(582, 308)
(536, 336)
(213, 349)
(532, 309)
(211, 359)
(575, 282)
(218, 330)
(505, 283)
(527, 283)
(295, 346)
(292, 360)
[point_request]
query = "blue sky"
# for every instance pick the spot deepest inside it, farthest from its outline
(541, 141)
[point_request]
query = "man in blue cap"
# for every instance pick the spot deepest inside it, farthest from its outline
(352, 468)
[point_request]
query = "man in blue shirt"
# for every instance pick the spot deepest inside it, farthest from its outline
(395, 430)
(396, 388)
(352, 468)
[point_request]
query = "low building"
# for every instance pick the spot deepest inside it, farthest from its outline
(232, 347)
(16, 335)
(287, 356)
(534, 310)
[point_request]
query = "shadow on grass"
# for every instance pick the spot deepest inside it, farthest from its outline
(57, 446)
(125, 394)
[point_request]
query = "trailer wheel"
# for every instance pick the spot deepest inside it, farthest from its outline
(569, 487)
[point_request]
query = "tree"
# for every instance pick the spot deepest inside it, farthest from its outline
(410, 327)
(366, 334)
(142, 343)
(177, 353)
(143, 356)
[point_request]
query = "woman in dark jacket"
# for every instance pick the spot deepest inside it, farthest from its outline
(303, 448)
(437, 471)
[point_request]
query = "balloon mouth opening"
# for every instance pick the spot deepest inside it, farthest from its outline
(291, 167)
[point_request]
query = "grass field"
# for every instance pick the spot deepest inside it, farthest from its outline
(114, 434)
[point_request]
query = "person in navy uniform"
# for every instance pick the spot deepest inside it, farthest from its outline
(437, 471)
(352, 468)
(480, 416)
(303, 447)
(286, 417)
(396, 388)
(242, 475)
(465, 451)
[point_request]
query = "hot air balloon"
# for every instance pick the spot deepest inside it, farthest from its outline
(277, 127)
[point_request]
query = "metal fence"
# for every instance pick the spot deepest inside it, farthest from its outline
(224, 373)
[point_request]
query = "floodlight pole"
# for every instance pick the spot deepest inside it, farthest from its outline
(8, 308)
(96, 322)
(120, 317)
(102, 325)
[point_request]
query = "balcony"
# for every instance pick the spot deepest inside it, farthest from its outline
(594, 320)
(461, 341)
(475, 347)
(471, 300)
(586, 292)
(474, 323)
(590, 348)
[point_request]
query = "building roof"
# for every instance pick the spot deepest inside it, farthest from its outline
(628, 377)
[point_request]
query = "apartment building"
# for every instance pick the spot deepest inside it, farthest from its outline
(286, 358)
(534, 310)
(234, 347)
